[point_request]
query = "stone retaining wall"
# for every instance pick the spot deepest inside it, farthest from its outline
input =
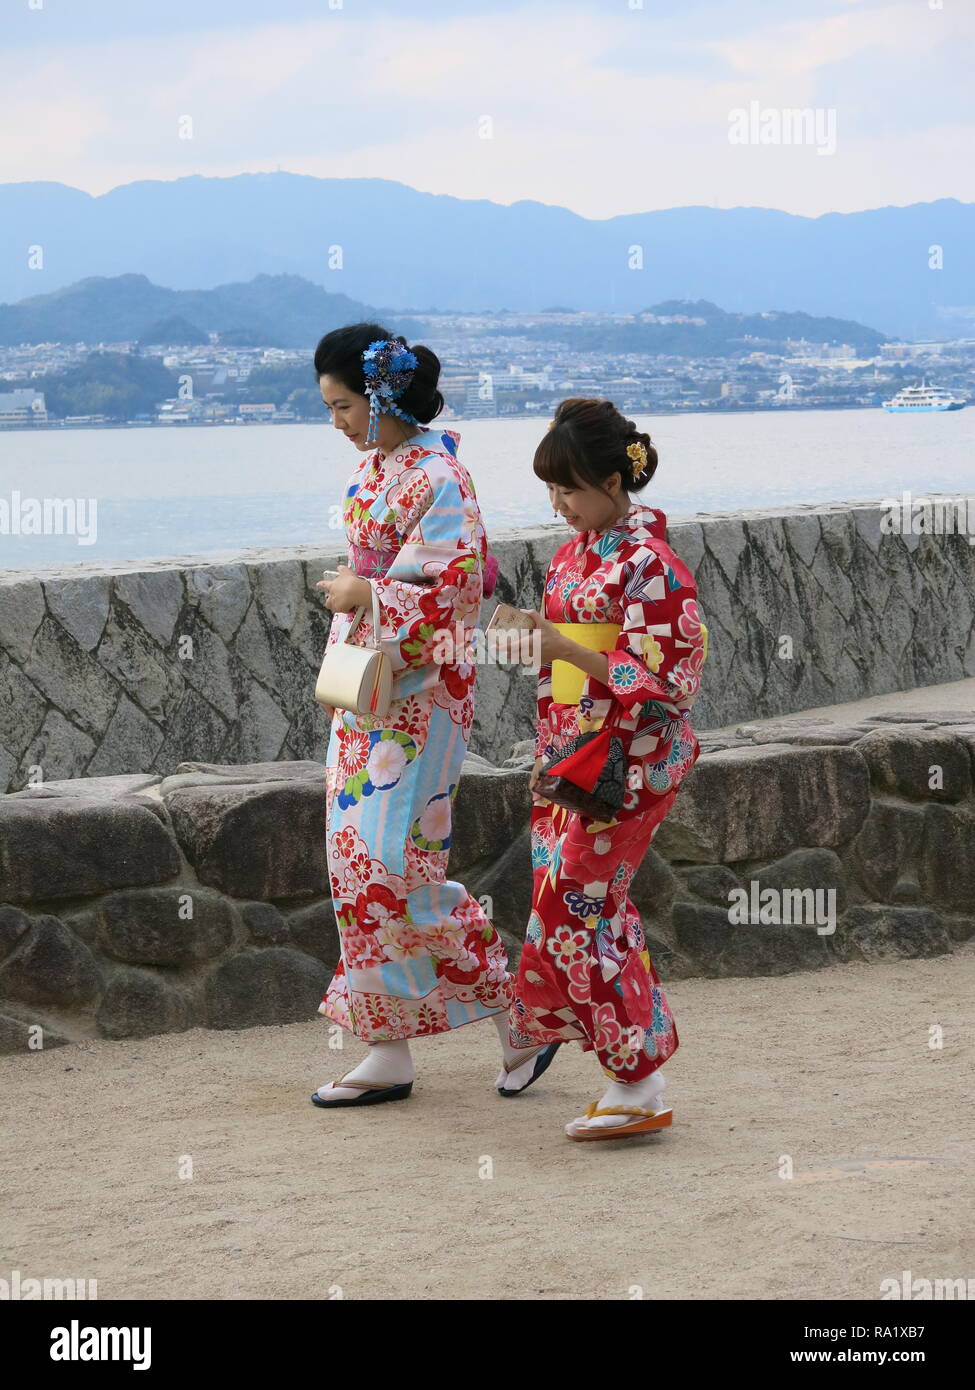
(128, 668)
(134, 905)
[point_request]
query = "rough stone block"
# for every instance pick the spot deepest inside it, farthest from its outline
(164, 926)
(141, 1003)
(271, 986)
(70, 846)
(49, 965)
(756, 803)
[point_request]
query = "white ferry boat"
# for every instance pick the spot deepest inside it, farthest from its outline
(915, 399)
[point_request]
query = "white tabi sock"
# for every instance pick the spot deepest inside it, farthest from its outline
(387, 1062)
(646, 1093)
(517, 1060)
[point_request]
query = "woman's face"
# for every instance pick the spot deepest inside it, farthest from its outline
(350, 414)
(350, 411)
(586, 507)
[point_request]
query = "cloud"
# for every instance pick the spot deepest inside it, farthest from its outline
(601, 109)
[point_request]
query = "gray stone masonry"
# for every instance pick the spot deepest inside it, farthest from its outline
(116, 670)
(147, 903)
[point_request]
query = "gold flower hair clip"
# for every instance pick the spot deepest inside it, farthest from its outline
(637, 453)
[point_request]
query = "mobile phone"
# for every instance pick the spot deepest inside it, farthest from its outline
(505, 616)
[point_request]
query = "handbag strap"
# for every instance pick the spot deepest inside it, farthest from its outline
(612, 719)
(376, 620)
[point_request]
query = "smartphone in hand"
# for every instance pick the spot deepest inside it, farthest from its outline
(509, 618)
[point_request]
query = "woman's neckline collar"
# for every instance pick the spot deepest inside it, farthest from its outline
(613, 524)
(398, 448)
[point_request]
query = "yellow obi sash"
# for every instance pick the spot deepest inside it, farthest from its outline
(568, 680)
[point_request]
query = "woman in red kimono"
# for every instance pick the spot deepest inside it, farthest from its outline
(621, 640)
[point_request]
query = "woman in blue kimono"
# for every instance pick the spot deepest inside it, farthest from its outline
(418, 953)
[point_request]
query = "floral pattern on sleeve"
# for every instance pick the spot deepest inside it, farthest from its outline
(658, 654)
(629, 575)
(436, 580)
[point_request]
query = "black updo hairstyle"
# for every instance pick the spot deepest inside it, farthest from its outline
(587, 441)
(339, 354)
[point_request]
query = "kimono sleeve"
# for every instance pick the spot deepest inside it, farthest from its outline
(435, 581)
(659, 651)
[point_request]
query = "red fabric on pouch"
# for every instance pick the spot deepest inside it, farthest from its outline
(584, 766)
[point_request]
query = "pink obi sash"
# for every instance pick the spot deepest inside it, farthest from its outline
(369, 563)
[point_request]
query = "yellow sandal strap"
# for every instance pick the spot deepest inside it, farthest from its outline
(594, 1109)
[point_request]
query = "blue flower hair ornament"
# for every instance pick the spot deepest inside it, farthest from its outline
(388, 369)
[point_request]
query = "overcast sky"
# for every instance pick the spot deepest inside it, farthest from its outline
(601, 106)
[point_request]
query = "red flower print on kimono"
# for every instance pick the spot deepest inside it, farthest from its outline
(585, 855)
(349, 861)
(635, 989)
(459, 681)
(377, 907)
(463, 967)
(362, 949)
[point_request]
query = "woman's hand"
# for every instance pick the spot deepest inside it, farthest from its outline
(552, 641)
(346, 593)
(537, 800)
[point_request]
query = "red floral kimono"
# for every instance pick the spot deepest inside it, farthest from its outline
(585, 972)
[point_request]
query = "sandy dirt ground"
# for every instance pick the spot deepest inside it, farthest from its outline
(459, 1193)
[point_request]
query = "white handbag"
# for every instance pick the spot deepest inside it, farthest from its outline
(357, 678)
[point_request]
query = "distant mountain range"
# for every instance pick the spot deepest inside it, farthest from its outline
(380, 242)
(287, 311)
(269, 311)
